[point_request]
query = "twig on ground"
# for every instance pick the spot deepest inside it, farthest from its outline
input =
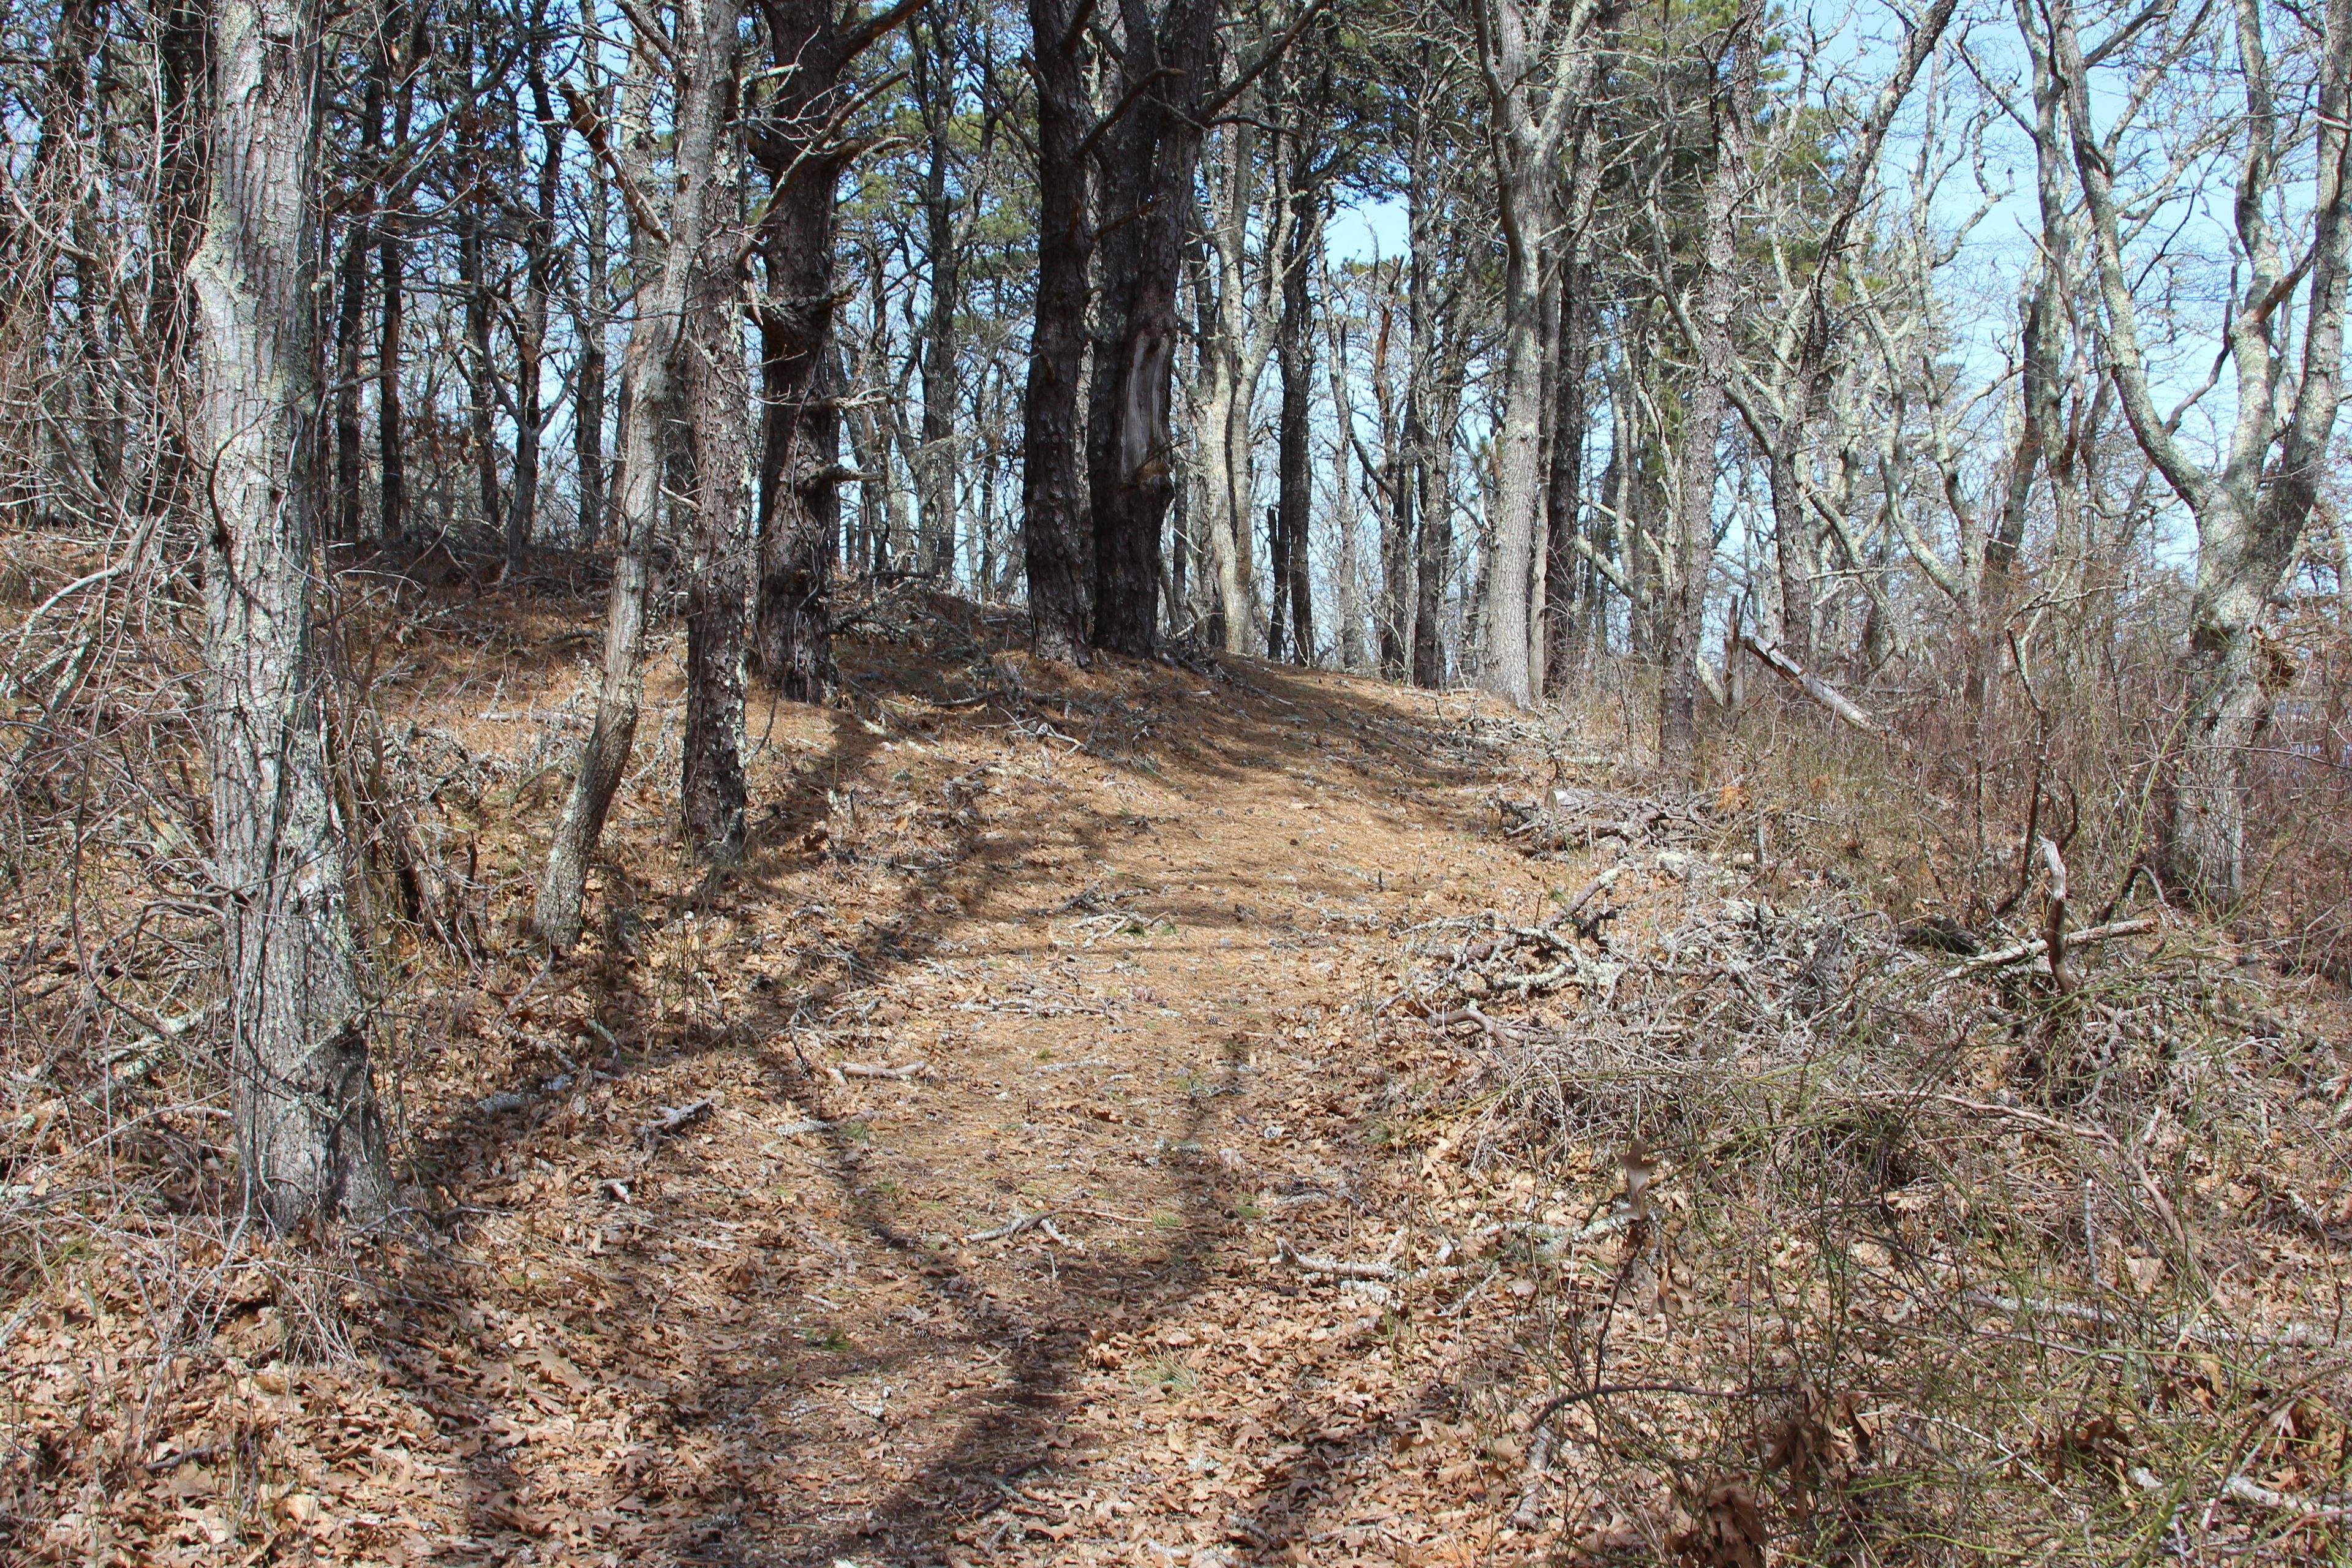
(671, 1120)
(871, 1070)
(1011, 1227)
(2293, 1336)
(1338, 1268)
(2244, 1490)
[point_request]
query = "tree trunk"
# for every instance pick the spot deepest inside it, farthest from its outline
(176, 220)
(715, 387)
(882, 540)
(2252, 507)
(1694, 514)
(1147, 160)
(1567, 577)
(351, 313)
(1295, 353)
(1433, 443)
(799, 442)
(1432, 414)
(1349, 591)
(1278, 560)
(392, 261)
(472, 202)
(1433, 404)
(1055, 536)
(886, 430)
(935, 471)
(1533, 105)
(649, 379)
(1395, 488)
(588, 325)
(1232, 360)
(531, 334)
(310, 1140)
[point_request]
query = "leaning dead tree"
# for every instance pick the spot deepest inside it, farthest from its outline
(311, 1141)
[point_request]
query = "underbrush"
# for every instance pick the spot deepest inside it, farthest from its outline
(1902, 1247)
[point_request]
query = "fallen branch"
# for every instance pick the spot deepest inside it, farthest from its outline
(1559, 1401)
(1812, 685)
(1529, 1513)
(870, 1069)
(2244, 1490)
(2293, 1336)
(671, 1120)
(1011, 1228)
(1590, 892)
(1494, 1028)
(1337, 1267)
(2053, 930)
(147, 1053)
(2040, 945)
(1541, 980)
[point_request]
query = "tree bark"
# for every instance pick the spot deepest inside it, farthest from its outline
(1056, 539)
(1426, 488)
(715, 387)
(1349, 594)
(649, 379)
(1717, 287)
(1530, 122)
(935, 475)
(1431, 436)
(392, 454)
(797, 140)
(1567, 577)
(472, 201)
(531, 334)
(530, 322)
(350, 318)
(310, 1140)
(588, 323)
(1395, 481)
(392, 262)
(1296, 355)
(1233, 357)
(1147, 158)
(176, 217)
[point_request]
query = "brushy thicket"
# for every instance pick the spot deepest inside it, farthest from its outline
(1934, 1260)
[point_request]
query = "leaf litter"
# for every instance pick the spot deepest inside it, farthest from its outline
(1117, 1118)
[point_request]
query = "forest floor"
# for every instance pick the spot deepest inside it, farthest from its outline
(1043, 1149)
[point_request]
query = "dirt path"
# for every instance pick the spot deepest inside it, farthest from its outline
(1018, 1159)
(1028, 1302)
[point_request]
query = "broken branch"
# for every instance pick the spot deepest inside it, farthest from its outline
(1812, 685)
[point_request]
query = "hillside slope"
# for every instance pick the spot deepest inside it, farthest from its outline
(1166, 1115)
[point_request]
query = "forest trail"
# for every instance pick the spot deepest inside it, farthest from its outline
(1157, 1117)
(1032, 1301)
